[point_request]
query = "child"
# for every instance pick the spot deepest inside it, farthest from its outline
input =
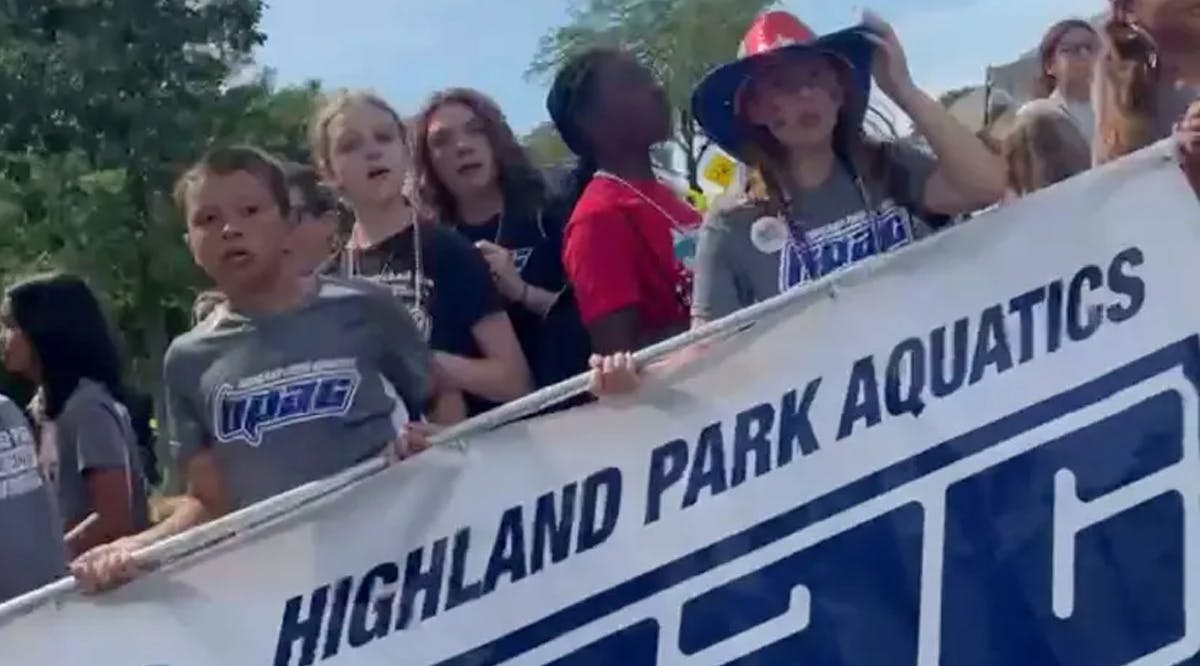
(56, 336)
(630, 239)
(473, 175)
(32, 552)
(297, 379)
(361, 147)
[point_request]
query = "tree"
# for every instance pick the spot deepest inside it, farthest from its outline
(545, 147)
(680, 40)
(104, 101)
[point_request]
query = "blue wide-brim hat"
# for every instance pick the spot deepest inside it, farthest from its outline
(716, 99)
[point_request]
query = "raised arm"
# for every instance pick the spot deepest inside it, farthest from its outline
(968, 176)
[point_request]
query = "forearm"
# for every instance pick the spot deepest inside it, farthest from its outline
(448, 408)
(962, 157)
(537, 300)
(489, 378)
(94, 531)
(188, 513)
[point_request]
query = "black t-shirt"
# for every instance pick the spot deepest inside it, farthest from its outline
(455, 294)
(536, 244)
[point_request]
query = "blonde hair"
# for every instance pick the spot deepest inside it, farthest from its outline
(1043, 148)
(333, 105)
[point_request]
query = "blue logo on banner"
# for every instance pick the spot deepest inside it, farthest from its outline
(1055, 535)
(248, 414)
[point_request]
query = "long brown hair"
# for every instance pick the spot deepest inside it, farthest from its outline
(521, 183)
(1046, 83)
(1130, 73)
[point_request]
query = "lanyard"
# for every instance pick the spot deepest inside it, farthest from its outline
(675, 223)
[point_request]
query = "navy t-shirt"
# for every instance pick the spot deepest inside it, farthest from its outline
(536, 244)
(456, 293)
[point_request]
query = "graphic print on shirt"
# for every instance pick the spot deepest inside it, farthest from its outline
(839, 244)
(684, 243)
(20, 471)
(281, 397)
(520, 257)
(401, 283)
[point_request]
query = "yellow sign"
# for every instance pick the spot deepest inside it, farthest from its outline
(721, 170)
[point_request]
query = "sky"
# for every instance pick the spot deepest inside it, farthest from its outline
(407, 49)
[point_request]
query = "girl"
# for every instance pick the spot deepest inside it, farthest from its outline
(630, 238)
(472, 175)
(31, 552)
(1149, 80)
(56, 336)
(361, 146)
(1067, 57)
(296, 378)
(823, 194)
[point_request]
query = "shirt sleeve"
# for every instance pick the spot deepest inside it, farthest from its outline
(93, 429)
(185, 423)
(598, 255)
(404, 359)
(714, 292)
(914, 167)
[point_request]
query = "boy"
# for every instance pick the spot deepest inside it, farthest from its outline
(295, 378)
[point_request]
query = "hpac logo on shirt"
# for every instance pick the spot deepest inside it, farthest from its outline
(842, 243)
(254, 408)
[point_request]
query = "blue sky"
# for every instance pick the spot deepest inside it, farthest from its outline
(406, 49)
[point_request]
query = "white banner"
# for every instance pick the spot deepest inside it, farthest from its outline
(980, 450)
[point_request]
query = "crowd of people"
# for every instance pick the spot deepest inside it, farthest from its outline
(421, 271)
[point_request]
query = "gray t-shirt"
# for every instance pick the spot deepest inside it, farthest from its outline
(32, 552)
(290, 398)
(830, 228)
(93, 431)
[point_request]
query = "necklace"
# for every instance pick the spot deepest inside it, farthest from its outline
(679, 226)
(418, 273)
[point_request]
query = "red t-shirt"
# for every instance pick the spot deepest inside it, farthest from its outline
(621, 250)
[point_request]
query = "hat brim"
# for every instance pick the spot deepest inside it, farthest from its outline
(714, 101)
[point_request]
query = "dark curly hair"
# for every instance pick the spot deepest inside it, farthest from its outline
(522, 184)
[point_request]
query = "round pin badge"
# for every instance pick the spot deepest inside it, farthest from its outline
(769, 234)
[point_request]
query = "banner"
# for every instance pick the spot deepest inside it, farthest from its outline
(983, 449)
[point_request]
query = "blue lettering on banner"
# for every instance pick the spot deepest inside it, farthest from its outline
(1009, 531)
(1060, 540)
(248, 414)
(971, 349)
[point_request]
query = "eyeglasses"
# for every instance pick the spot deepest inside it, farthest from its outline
(318, 202)
(1080, 50)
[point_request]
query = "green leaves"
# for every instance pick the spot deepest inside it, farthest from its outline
(545, 146)
(102, 103)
